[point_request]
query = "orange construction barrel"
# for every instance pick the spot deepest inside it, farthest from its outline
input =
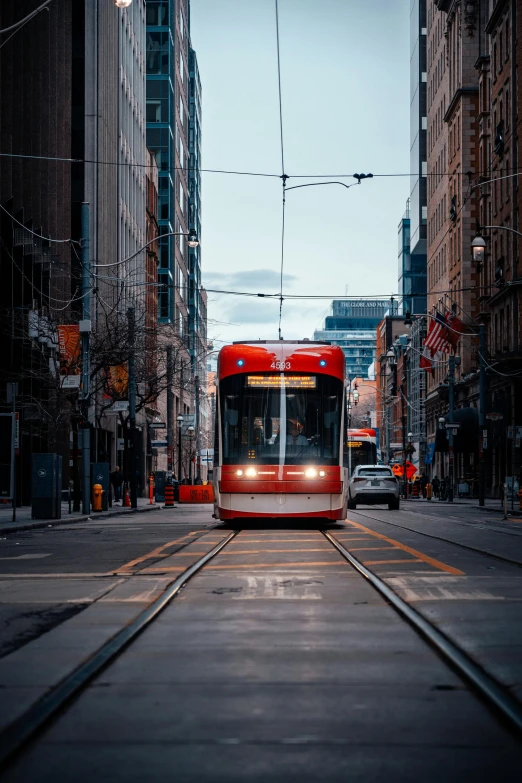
(169, 496)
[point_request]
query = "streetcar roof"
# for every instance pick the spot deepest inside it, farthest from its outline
(294, 356)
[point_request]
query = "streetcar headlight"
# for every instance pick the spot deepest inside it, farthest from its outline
(322, 473)
(251, 472)
(239, 473)
(310, 473)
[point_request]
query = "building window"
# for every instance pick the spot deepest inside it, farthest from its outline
(181, 25)
(157, 13)
(157, 53)
(153, 111)
(163, 296)
(181, 198)
(181, 67)
(181, 111)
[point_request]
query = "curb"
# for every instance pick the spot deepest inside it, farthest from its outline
(68, 521)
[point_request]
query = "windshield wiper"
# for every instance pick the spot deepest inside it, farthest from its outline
(312, 442)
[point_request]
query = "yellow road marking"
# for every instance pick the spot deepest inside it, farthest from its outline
(385, 562)
(59, 576)
(371, 548)
(158, 552)
(420, 555)
(262, 551)
(281, 540)
(179, 569)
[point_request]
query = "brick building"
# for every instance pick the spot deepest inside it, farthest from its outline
(472, 84)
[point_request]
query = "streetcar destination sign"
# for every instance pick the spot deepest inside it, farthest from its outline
(287, 381)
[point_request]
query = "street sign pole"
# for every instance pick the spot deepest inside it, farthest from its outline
(85, 330)
(451, 374)
(482, 414)
(12, 389)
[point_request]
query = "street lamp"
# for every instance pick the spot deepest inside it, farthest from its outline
(478, 247)
(122, 3)
(180, 424)
(192, 240)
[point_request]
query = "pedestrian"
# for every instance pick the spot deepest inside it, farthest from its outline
(435, 483)
(423, 482)
(116, 481)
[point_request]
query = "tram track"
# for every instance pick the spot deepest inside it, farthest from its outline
(15, 737)
(490, 691)
(468, 547)
(26, 729)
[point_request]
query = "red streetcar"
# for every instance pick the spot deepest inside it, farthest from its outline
(279, 431)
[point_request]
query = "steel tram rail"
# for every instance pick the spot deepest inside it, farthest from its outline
(493, 555)
(485, 686)
(25, 729)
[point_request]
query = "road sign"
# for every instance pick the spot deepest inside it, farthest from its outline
(119, 406)
(158, 444)
(157, 425)
(452, 425)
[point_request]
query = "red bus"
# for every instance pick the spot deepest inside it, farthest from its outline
(279, 431)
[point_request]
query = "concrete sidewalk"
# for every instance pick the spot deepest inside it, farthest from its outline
(24, 520)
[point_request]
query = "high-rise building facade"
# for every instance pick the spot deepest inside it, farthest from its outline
(412, 264)
(167, 118)
(352, 325)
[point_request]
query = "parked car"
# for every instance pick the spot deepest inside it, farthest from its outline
(372, 484)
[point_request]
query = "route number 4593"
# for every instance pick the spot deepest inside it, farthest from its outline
(280, 366)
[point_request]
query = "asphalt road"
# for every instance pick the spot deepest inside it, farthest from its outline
(278, 660)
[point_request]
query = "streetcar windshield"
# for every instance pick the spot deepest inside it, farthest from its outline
(280, 419)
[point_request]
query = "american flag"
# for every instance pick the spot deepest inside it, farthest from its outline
(437, 339)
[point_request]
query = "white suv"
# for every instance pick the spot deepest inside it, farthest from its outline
(372, 484)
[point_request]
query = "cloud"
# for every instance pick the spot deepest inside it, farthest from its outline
(248, 310)
(249, 280)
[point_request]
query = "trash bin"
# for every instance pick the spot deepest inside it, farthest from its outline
(46, 486)
(160, 477)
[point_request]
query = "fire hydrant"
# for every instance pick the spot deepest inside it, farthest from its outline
(429, 491)
(97, 492)
(520, 498)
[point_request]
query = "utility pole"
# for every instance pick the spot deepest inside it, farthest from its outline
(387, 414)
(451, 367)
(482, 414)
(182, 412)
(170, 413)
(198, 458)
(132, 406)
(404, 456)
(85, 331)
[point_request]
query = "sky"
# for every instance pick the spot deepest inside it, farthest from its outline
(345, 106)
